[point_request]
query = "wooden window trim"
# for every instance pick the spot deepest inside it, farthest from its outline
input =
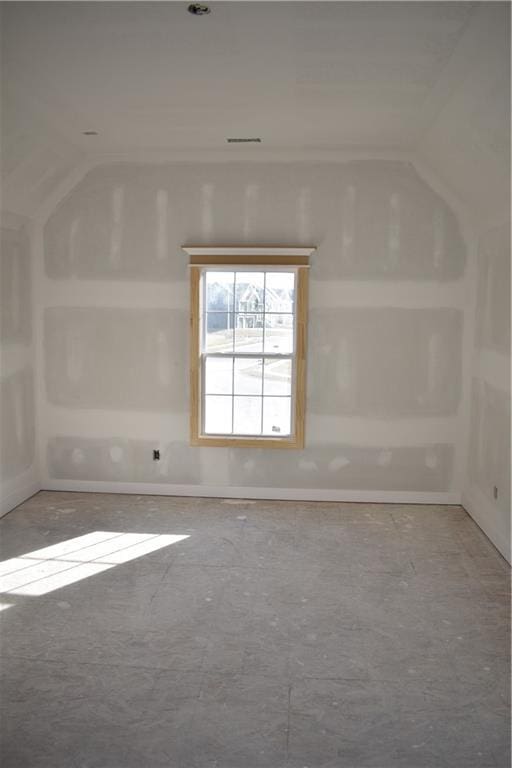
(296, 440)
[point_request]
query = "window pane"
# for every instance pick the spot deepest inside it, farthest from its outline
(276, 416)
(248, 375)
(218, 415)
(249, 333)
(218, 376)
(279, 291)
(220, 291)
(219, 332)
(279, 334)
(247, 416)
(278, 377)
(249, 292)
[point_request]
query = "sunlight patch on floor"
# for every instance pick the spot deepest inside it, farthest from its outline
(58, 565)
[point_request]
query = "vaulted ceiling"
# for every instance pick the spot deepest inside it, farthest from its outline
(426, 78)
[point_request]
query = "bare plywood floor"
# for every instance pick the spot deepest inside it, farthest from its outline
(275, 634)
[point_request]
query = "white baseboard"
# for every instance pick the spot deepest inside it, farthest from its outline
(232, 492)
(16, 497)
(486, 516)
(480, 509)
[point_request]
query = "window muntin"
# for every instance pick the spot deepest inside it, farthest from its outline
(247, 352)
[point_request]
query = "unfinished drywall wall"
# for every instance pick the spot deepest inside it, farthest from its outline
(385, 362)
(493, 291)
(119, 359)
(18, 472)
(387, 313)
(374, 468)
(487, 489)
(121, 460)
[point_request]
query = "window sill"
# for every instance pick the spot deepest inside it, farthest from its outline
(206, 441)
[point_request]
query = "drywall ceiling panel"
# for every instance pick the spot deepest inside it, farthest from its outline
(426, 77)
(35, 156)
(469, 142)
(150, 75)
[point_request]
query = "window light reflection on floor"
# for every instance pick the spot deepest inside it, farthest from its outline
(45, 570)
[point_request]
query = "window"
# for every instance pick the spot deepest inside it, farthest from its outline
(248, 342)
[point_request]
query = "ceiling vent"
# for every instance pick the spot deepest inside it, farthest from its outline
(243, 141)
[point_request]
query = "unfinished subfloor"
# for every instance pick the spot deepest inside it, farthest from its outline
(276, 634)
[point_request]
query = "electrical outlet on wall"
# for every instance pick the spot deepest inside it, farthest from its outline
(156, 455)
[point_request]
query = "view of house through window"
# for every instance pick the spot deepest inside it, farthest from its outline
(247, 351)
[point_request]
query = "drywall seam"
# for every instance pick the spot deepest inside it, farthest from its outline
(234, 492)
(323, 294)
(100, 293)
(408, 294)
(155, 425)
(483, 513)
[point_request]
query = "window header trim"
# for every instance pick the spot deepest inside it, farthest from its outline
(256, 262)
(249, 250)
(245, 255)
